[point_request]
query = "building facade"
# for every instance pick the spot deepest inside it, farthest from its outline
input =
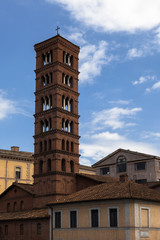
(117, 211)
(15, 165)
(139, 167)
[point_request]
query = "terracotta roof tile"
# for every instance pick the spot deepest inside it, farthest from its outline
(27, 187)
(108, 191)
(33, 214)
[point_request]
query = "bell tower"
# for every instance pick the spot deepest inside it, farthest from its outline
(56, 136)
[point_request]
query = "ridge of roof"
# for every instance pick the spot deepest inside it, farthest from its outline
(98, 178)
(126, 151)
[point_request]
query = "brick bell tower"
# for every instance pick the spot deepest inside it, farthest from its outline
(56, 119)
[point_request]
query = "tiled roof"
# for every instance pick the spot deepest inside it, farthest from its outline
(110, 191)
(27, 187)
(33, 214)
(98, 178)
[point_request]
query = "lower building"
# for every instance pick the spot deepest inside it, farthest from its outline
(117, 211)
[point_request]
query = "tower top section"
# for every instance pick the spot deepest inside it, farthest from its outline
(54, 40)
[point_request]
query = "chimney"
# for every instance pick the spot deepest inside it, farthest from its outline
(123, 177)
(15, 149)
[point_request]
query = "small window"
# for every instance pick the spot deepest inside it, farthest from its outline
(49, 165)
(57, 219)
(40, 147)
(38, 228)
(140, 166)
(6, 229)
(50, 144)
(15, 207)
(73, 219)
(94, 218)
(63, 167)
(8, 207)
(22, 205)
(67, 145)
(18, 173)
(63, 144)
(72, 166)
(104, 171)
(21, 229)
(113, 217)
(40, 166)
(141, 180)
(72, 147)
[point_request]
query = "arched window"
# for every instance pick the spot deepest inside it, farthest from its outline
(15, 206)
(71, 127)
(38, 228)
(121, 164)
(63, 165)
(72, 147)
(40, 166)
(8, 207)
(72, 166)
(49, 165)
(22, 205)
(45, 145)
(63, 144)
(40, 147)
(50, 144)
(67, 145)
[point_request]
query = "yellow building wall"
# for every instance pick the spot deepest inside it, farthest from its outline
(129, 227)
(7, 172)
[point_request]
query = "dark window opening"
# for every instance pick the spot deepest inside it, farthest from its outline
(6, 230)
(67, 145)
(49, 165)
(15, 207)
(104, 171)
(50, 144)
(73, 219)
(63, 165)
(8, 207)
(140, 166)
(72, 166)
(45, 145)
(22, 205)
(113, 217)
(18, 173)
(63, 144)
(40, 146)
(72, 147)
(38, 228)
(141, 180)
(21, 229)
(40, 166)
(94, 218)
(57, 219)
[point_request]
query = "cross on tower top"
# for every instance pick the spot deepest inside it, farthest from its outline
(57, 29)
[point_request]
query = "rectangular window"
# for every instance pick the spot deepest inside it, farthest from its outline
(6, 229)
(140, 166)
(104, 171)
(94, 218)
(38, 228)
(73, 219)
(21, 229)
(18, 173)
(145, 217)
(113, 217)
(141, 180)
(57, 219)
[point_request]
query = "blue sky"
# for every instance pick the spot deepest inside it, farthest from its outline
(119, 83)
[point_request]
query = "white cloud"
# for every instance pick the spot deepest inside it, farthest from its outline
(143, 79)
(77, 37)
(107, 136)
(120, 102)
(134, 53)
(92, 58)
(85, 161)
(9, 107)
(154, 87)
(100, 147)
(114, 117)
(151, 135)
(113, 15)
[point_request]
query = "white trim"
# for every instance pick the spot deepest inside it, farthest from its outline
(90, 219)
(69, 220)
(108, 215)
(145, 208)
(54, 218)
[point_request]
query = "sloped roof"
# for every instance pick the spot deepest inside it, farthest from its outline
(149, 156)
(111, 191)
(32, 214)
(26, 187)
(98, 178)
